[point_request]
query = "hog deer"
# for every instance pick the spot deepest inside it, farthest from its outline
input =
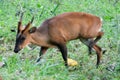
(58, 30)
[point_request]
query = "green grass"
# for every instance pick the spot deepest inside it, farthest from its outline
(23, 66)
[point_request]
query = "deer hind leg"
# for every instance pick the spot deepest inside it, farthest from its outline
(98, 50)
(87, 42)
(99, 35)
(99, 54)
(90, 49)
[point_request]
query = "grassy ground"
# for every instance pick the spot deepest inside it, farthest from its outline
(23, 67)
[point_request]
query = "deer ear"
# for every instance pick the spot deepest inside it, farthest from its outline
(32, 30)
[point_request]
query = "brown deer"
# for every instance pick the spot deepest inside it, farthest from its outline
(58, 30)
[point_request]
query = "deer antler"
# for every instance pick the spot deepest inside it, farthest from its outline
(20, 28)
(32, 20)
(21, 16)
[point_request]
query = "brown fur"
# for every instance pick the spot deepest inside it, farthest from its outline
(60, 29)
(69, 26)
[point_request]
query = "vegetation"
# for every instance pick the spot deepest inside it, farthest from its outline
(23, 66)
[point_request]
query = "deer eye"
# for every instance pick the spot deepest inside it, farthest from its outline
(22, 38)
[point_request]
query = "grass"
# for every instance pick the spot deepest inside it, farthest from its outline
(22, 66)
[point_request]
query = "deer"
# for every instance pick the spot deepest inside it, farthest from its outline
(58, 30)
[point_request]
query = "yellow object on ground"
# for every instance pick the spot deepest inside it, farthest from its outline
(72, 62)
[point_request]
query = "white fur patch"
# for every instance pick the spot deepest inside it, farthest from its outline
(100, 25)
(101, 19)
(99, 29)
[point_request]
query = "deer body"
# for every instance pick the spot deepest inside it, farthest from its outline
(68, 26)
(58, 30)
